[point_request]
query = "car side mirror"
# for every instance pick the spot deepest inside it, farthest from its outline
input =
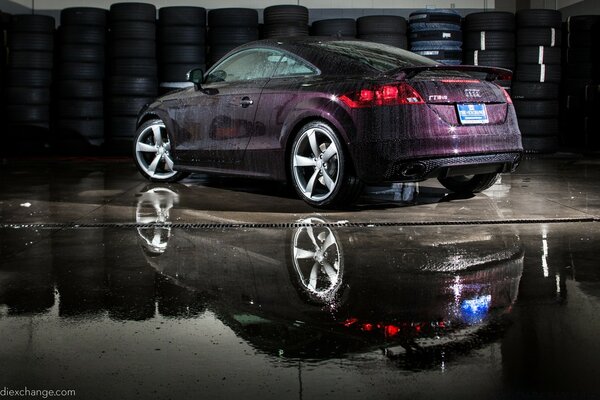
(196, 76)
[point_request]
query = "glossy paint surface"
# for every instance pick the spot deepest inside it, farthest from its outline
(246, 127)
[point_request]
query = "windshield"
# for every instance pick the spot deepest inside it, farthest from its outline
(378, 56)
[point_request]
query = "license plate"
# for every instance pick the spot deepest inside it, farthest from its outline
(472, 114)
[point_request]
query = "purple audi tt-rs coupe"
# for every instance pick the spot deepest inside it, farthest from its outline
(329, 115)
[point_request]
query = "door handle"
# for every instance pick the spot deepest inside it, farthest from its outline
(246, 102)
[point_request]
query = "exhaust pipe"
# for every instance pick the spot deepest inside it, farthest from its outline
(413, 170)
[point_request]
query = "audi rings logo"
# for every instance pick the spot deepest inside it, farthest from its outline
(472, 93)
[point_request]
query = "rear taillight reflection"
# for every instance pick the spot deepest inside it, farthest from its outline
(384, 95)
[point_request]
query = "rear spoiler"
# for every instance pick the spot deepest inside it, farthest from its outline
(492, 73)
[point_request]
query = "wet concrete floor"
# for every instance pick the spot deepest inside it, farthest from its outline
(223, 288)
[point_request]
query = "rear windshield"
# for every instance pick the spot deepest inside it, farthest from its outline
(378, 56)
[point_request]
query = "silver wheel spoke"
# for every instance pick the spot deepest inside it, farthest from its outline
(146, 220)
(311, 184)
(330, 240)
(328, 181)
(300, 161)
(145, 148)
(154, 164)
(312, 139)
(330, 152)
(312, 283)
(301, 253)
(169, 162)
(157, 135)
(331, 272)
(311, 234)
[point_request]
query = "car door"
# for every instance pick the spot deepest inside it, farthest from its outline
(218, 120)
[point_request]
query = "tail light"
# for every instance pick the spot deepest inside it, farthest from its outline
(384, 95)
(506, 95)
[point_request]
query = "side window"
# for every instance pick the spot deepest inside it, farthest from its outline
(289, 66)
(246, 66)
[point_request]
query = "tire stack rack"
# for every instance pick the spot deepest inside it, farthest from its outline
(182, 47)
(229, 28)
(581, 122)
(285, 21)
(29, 78)
(384, 29)
(133, 75)
(437, 34)
(80, 86)
(489, 39)
(535, 89)
(336, 27)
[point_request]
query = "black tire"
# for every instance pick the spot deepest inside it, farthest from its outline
(222, 17)
(436, 35)
(84, 16)
(81, 108)
(132, 12)
(583, 23)
(142, 159)
(120, 128)
(127, 106)
(538, 55)
(343, 27)
(539, 127)
(133, 49)
(432, 16)
(537, 18)
(29, 77)
(581, 71)
(469, 184)
(31, 23)
(177, 72)
(132, 86)
(90, 129)
(286, 14)
(27, 96)
(538, 73)
(535, 91)
(539, 37)
(78, 34)
(182, 54)
(31, 59)
(89, 53)
(377, 24)
(491, 58)
(548, 144)
(396, 40)
(441, 54)
(80, 89)
(130, 30)
(489, 40)
(285, 30)
(346, 187)
(576, 55)
(490, 21)
(145, 67)
(536, 108)
(30, 41)
(27, 113)
(182, 35)
(217, 52)
(232, 35)
(182, 16)
(583, 39)
(80, 71)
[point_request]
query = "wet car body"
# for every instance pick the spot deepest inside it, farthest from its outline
(394, 124)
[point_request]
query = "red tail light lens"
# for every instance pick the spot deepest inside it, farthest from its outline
(506, 95)
(385, 95)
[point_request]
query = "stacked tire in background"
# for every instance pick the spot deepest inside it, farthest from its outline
(28, 80)
(80, 79)
(535, 89)
(384, 29)
(182, 47)
(580, 122)
(229, 28)
(285, 21)
(489, 39)
(336, 27)
(133, 79)
(437, 34)
(4, 18)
